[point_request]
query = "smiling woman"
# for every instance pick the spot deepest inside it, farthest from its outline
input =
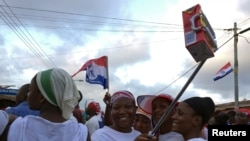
(123, 111)
(191, 115)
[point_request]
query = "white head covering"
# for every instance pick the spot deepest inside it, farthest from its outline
(4, 119)
(58, 87)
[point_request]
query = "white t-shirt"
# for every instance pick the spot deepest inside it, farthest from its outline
(108, 134)
(92, 124)
(171, 136)
(35, 128)
(4, 119)
(205, 133)
(197, 139)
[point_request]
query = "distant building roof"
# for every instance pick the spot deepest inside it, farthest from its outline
(231, 105)
(9, 94)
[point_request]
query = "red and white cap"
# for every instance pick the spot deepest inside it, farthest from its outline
(145, 101)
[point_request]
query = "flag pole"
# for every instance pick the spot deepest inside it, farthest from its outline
(172, 105)
(107, 74)
(107, 91)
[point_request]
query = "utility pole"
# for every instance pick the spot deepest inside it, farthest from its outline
(236, 88)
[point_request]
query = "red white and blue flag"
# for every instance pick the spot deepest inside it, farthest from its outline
(96, 71)
(225, 70)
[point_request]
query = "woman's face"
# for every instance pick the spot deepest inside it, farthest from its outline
(123, 114)
(184, 119)
(142, 123)
(34, 96)
(159, 107)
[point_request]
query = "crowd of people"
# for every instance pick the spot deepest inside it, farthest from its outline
(239, 117)
(48, 109)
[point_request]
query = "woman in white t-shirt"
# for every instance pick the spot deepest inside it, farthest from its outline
(123, 110)
(54, 93)
(95, 121)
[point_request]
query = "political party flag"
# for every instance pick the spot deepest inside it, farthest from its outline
(225, 70)
(96, 71)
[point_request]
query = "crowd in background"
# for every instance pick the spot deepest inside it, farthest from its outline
(47, 108)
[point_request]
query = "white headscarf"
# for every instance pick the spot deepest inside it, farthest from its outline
(4, 119)
(58, 87)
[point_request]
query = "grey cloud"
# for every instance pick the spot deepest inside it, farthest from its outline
(244, 6)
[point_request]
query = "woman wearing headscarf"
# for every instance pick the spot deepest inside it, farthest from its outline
(93, 110)
(122, 112)
(191, 115)
(54, 93)
(123, 109)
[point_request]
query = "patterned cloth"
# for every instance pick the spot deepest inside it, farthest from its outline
(120, 94)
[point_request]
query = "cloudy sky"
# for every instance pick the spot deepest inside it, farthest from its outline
(143, 39)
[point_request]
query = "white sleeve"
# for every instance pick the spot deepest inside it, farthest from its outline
(92, 125)
(4, 119)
